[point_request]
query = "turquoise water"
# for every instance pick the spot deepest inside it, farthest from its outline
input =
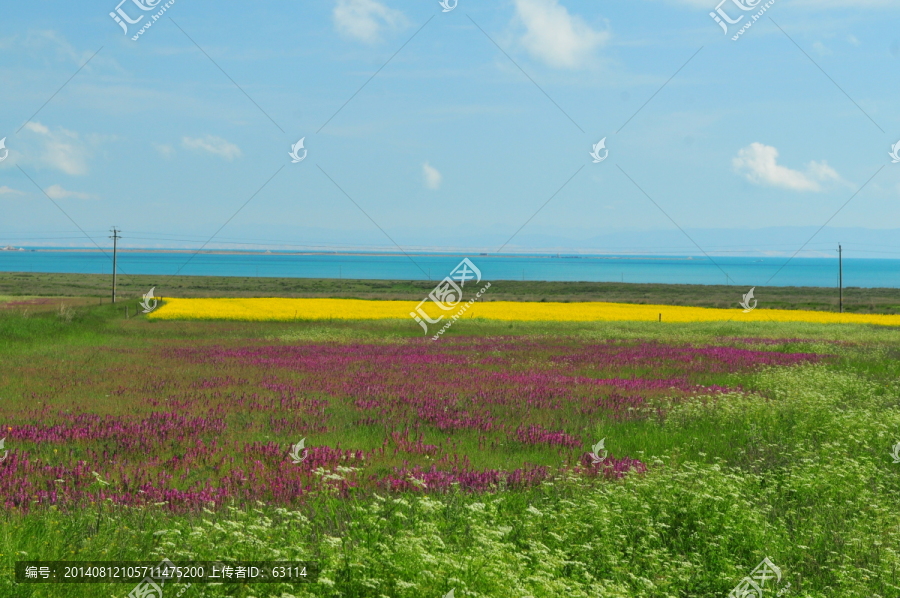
(740, 271)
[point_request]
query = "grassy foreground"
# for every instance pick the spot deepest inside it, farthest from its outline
(791, 462)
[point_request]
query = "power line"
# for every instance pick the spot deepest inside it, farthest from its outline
(115, 237)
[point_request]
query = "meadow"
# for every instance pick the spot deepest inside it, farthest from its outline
(132, 286)
(463, 464)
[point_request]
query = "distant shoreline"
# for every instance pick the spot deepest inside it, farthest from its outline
(546, 255)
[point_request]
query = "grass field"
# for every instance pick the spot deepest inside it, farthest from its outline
(856, 300)
(461, 464)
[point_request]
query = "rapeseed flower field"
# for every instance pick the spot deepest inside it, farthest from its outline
(285, 309)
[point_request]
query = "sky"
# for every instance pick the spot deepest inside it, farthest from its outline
(470, 128)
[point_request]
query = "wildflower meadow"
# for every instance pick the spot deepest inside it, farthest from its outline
(509, 458)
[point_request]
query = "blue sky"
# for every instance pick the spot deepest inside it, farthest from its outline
(450, 145)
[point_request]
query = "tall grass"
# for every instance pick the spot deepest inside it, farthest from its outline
(796, 468)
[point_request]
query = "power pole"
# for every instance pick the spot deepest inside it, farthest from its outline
(115, 237)
(840, 279)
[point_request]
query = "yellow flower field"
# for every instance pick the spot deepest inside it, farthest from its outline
(280, 309)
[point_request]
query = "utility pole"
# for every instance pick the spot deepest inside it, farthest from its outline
(115, 237)
(840, 279)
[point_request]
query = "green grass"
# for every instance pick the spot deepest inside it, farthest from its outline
(856, 300)
(797, 469)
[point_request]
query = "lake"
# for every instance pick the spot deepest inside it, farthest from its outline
(740, 271)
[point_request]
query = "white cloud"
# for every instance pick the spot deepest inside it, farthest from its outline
(4, 190)
(432, 176)
(213, 145)
(759, 164)
(57, 192)
(822, 171)
(821, 49)
(37, 128)
(65, 156)
(166, 151)
(63, 149)
(364, 19)
(556, 37)
(51, 43)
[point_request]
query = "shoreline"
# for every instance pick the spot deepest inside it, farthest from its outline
(545, 255)
(480, 255)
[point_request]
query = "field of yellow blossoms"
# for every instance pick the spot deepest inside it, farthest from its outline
(282, 309)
